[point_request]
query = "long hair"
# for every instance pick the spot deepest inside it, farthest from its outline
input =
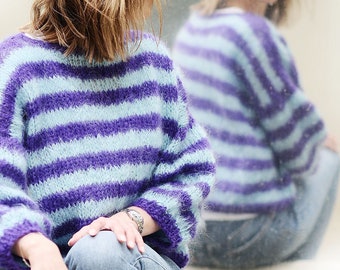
(98, 28)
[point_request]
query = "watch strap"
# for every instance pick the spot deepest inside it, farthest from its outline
(136, 217)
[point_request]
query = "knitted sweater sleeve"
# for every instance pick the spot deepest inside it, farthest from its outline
(291, 124)
(182, 179)
(19, 215)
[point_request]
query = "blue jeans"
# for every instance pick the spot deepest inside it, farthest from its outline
(292, 234)
(104, 252)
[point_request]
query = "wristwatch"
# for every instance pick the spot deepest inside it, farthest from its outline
(136, 217)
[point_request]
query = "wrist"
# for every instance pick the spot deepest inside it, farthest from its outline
(136, 217)
(33, 245)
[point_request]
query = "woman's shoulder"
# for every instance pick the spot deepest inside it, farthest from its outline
(148, 41)
(259, 26)
(151, 47)
(23, 45)
(13, 41)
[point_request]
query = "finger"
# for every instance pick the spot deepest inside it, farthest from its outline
(91, 229)
(118, 228)
(131, 235)
(78, 235)
(140, 243)
(97, 225)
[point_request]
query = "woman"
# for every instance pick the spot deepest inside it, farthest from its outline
(101, 166)
(268, 204)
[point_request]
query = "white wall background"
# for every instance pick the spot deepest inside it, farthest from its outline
(314, 37)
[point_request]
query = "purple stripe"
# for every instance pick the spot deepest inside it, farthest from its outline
(19, 202)
(228, 63)
(218, 110)
(205, 188)
(9, 238)
(12, 144)
(299, 146)
(70, 227)
(273, 55)
(204, 168)
(169, 157)
(78, 131)
(309, 163)
(223, 87)
(110, 97)
(245, 164)
(94, 192)
(266, 39)
(17, 176)
(101, 160)
(234, 139)
(9, 45)
(45, 69)
(264, 208)
(170, 127)
(202, 144)
(166, 222)
(247, 189)
(185, 205)
(284, 131)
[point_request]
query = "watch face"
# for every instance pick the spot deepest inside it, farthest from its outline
(136, 217)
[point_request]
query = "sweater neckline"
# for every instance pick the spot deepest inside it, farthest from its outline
(230, 10)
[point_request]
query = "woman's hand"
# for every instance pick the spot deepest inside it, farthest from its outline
(331, 143)
(40, 251)
(124, 228)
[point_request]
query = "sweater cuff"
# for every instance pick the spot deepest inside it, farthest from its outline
(9, 238)
(165, 221)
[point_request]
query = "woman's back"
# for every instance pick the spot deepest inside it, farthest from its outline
(243, 88)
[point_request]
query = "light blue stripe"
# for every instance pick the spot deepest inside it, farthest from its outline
(90, 209)
(302, 159)
(238, 176)
(213, 69)
(254, 43)
(95, 145)
(263, 197)
(8, 183)
(213, 95)
(243, 60)
(91, 176)
(174, 207)
(16, 216)
(222, 123)
(8, 192)
(87, 113)
(60, 84)
(297, 134)
(192, 158)
(240, 151)
(285, 114)
(17, 123)
(14, 158)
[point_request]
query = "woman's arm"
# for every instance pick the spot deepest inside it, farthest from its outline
(40, 252)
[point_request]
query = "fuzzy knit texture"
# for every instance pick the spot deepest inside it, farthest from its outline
(81, 140)
(243, 87)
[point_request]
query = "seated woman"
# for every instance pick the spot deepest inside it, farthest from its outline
(276, 182)
(101, 165)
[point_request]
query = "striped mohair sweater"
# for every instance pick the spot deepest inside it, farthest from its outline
(79, 141)
(243, 88)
